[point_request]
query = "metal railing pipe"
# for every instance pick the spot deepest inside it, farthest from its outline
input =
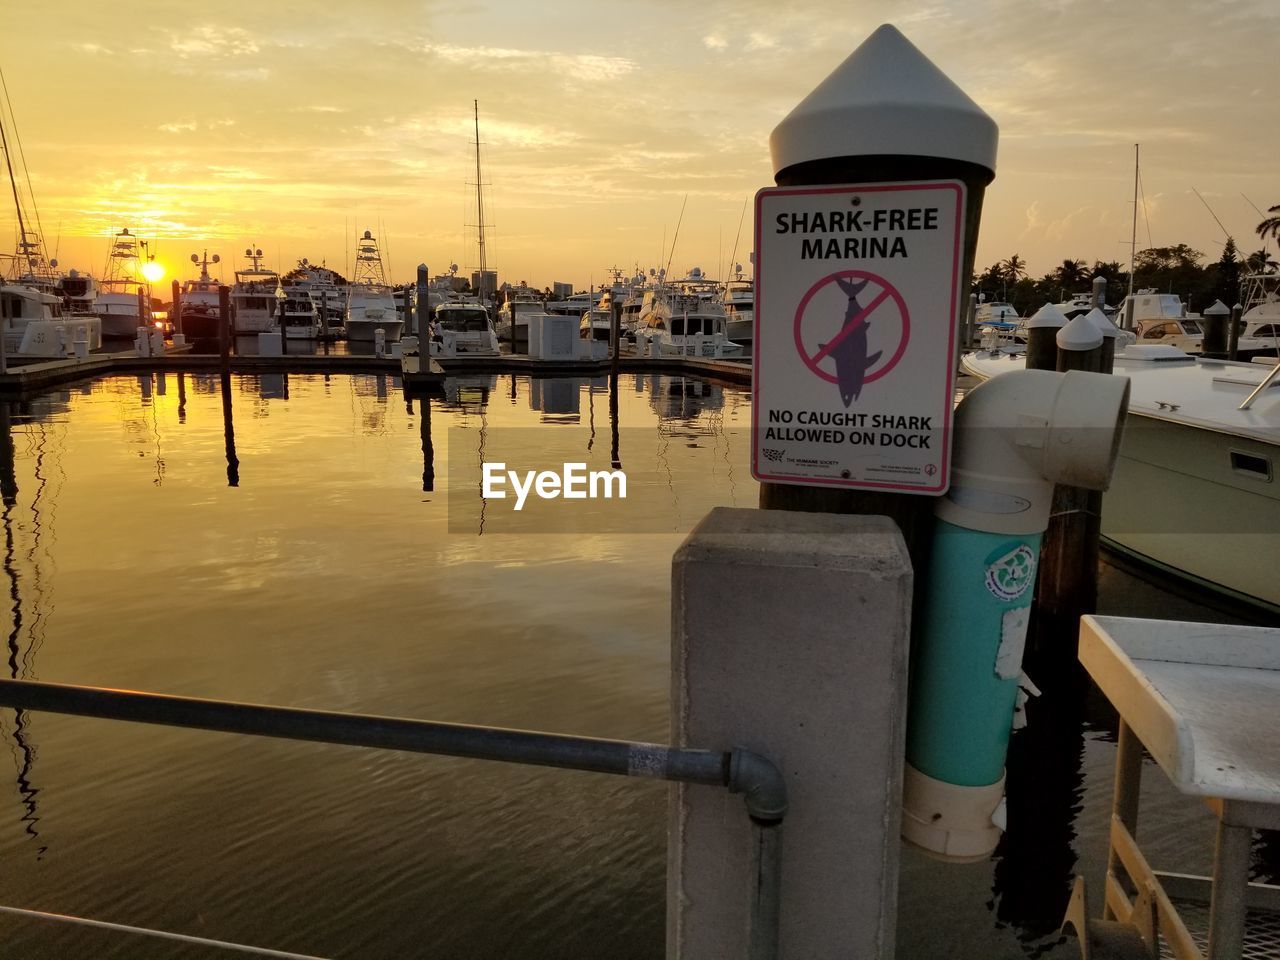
(740, 770)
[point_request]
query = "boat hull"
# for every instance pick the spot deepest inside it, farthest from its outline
(201, 326)
(362, 331)
(1180, 500)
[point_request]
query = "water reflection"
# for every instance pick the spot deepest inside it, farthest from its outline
(1036, 858)
(21, 662)
(229, 431)
(334, 582)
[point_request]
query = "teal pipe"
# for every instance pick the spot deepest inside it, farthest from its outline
(980, 587)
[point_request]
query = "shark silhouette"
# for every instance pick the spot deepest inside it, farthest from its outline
(850, 354)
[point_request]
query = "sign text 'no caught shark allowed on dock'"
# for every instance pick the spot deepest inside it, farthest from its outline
(857, 305)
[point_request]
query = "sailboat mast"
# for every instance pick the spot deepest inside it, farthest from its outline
(1133, 240)
(17, 204)
(479, 201)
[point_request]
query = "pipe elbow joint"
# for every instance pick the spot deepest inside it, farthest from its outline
(1020, 433)
(761, 784)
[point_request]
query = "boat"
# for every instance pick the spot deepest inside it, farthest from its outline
(33, 323)
(201, 314)
(117, 301)
(686, 318)
(519, 305)
(322, 284)
(1163, 318)
(1260, 321)
(996, 314)
(371, 304)
(466, 325)
(740, 308)
(253, 296)
(32, 320)
(301, 314)
(1195, 491)
(79, 293)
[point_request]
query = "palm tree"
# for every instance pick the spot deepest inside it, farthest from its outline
(1270, 226)
(1071, 273)
(1260, 261)
(1015, 268)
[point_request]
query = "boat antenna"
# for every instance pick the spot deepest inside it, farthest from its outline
(733, 257)
(1225, 233)
(676, 236)
(1260, 213)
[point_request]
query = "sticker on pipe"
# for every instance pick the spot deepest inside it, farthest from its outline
(858, 300)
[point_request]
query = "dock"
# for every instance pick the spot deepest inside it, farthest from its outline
(30, 378)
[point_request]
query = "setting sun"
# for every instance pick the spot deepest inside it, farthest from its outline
(154, 272)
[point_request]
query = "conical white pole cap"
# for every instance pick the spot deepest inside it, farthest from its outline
(1079, 335)
(886, 98)
(1103, 323)
(1047, 316)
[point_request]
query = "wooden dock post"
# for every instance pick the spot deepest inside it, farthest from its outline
(1216, 343)
(1233, 332)
(176, 311)
(224, 323)
(615, 331)
(847, 132)
(1067, 586)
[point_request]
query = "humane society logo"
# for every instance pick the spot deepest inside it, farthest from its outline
(1010, 575)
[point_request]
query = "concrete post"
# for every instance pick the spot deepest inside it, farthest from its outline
(789, 637)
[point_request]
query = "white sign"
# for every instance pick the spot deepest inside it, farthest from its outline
(858, 292)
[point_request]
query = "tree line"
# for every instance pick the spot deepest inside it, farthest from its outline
(1177, 269)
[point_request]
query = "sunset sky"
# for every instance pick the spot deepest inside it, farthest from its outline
(292, 126)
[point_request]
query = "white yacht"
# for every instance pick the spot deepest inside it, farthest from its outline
(253, 296)
(467, 326)
(517, 308)
(301, 314)
(117, 301)
(79, 292)
(1161, 318)
(1195, 489)
(321, 283)
(740, 308)
(686, 318)
(1261, 317)
(33, 324)
(371, 304)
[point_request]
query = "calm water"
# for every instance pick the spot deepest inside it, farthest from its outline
(297, 559)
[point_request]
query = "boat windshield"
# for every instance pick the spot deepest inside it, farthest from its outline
(464, 321)
(1191, 326)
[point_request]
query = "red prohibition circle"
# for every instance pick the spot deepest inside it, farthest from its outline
(859, 275)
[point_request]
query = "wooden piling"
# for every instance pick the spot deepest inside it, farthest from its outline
(1067, 586)
(175, 313)
(615, 331)
(224, 322)
(1233, 333)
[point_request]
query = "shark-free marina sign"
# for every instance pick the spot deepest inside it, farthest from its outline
(858, 298)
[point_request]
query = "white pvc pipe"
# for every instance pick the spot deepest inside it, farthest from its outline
(1018, 434)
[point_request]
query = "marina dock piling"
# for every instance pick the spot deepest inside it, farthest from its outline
(1042, 337)
(1216, 317)
(886, 115)
(175, 312)
(790, 637)
(1068, 580)
(970, 322)
(224, 322)
(1233, 332)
